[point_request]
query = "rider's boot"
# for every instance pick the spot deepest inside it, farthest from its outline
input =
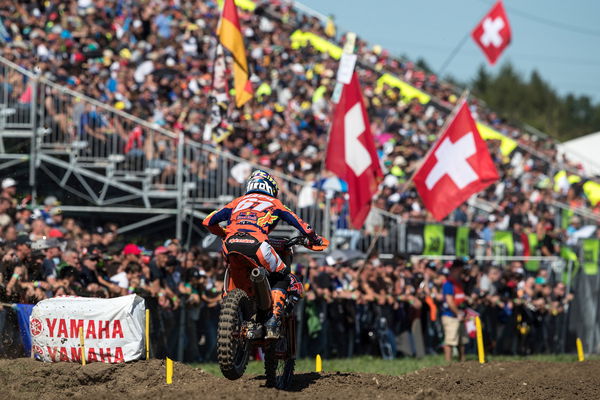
(273, 325)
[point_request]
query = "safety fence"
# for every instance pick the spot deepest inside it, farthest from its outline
(407, 323)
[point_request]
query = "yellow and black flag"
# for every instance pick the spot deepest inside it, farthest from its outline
(230, 35)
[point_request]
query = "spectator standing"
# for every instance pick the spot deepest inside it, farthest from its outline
(452, 314)
(9, 190)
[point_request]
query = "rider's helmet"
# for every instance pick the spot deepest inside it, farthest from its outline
(262, 182)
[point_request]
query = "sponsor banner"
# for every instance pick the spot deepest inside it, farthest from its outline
(113, 329)
(591, 250)
(247, 5)
(532, 241)
(462, 241)
(408, 92)
(434, 240)
(507, 145)
(569, 256)
(302, 39)
(506, 240)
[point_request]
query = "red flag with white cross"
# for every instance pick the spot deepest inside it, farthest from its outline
(458, 166)
(493, 34)
(351, 152)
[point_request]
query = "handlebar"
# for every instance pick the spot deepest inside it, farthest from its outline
(302, 241)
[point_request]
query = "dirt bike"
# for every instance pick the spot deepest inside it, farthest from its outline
(246, 306)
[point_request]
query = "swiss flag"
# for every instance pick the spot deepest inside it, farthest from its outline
(493, 34)
(457, 166)
(351, 151)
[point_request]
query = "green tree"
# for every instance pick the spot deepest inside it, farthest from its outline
(536, 103)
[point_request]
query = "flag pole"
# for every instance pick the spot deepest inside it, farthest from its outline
(455, 51)
(463, 97)
(453, 54)
(337, 92)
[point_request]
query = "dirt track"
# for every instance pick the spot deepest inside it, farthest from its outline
(28, 379)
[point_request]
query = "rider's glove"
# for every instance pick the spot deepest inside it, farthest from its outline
(316, 241)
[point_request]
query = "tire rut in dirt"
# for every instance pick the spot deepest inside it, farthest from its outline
(232, 353)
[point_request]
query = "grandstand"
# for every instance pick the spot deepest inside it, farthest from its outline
(119, 124)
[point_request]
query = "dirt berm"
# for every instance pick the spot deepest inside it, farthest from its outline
(33, 380)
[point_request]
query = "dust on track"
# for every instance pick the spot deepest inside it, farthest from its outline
(33, 380)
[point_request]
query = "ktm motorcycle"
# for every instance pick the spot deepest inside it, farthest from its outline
(246, 306)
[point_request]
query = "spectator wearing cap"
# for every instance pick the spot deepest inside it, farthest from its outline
(131, 253)
(452, 314)
(50, 203)
(161, 254)
(9, 190)
(22, 247)
(56, 218)
(56, 233)
(52, 259)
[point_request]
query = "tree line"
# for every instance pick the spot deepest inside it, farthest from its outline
(536, 103)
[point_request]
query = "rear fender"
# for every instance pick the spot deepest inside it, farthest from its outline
(238, 274)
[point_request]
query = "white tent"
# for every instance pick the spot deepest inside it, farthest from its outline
(585, 150)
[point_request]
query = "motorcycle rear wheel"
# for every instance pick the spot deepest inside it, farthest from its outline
(233, 349)
(279, 372)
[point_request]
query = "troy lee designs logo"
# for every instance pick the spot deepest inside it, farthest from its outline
(242, 241)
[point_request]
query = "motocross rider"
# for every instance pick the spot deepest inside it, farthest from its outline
(250, 218)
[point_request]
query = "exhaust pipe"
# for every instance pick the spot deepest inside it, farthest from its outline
(262, 289)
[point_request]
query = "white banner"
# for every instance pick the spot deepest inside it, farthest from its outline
(113, 329)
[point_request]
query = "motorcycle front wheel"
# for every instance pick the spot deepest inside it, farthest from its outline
(233, 349)
(279, 372)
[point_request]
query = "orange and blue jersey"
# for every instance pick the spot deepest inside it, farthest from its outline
(455, 289)
(256, 214)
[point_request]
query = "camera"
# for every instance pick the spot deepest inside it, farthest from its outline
(171, 261)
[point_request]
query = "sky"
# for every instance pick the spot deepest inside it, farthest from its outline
(560, 39)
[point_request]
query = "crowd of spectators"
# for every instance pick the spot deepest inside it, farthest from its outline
(155, 60)
(351, 307)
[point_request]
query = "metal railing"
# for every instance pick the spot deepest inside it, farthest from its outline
(16, 96)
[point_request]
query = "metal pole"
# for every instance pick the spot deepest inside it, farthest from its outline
(569, 277)
(190, 225)
(326, 217)
(565, 318)
(180, 200)
(182, 328)
(453, 54)
(34, 151)
(402, 236)
(592, 346)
